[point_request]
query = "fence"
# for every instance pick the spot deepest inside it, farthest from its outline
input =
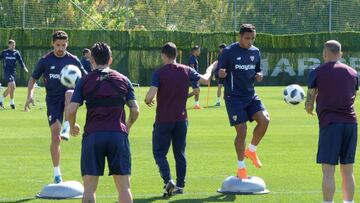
(270, 16)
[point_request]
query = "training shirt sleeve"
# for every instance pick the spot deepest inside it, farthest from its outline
(21, 61)
(311, 82)
(194, 75)
(81, 67)
(155, 79)
(357, 83)
(192, 61)
(258, 67)
(39, 69)
(77, 96)
(131, 92)
(222, 63)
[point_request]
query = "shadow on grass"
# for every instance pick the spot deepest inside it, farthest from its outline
(215, 198)
(19, 200)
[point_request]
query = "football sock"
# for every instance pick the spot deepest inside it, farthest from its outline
(66, 124)
(329, 202)
(252, 148)
(57, 171)
(196, 102)
(348, 201)
(241, 164)
(12, 102)
(2, 99)
(218, 100)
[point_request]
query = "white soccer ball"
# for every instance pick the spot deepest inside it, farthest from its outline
(69, 76)
(294, 94)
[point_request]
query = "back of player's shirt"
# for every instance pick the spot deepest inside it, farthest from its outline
(50, 67)
(172, 81)
(241, 67)
(337, 84)
(9, 58)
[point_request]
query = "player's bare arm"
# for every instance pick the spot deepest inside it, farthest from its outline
(134, 113)
(310, 100)
(205, 79)
(30, 94)
(150, 96)
(72, 110)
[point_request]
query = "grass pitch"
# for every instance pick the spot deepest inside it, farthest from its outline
(287, 151)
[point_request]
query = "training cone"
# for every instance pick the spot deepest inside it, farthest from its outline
(63, 190)
(252, 185)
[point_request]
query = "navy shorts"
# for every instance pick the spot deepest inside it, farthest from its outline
(240, 111)
(100, 145)
(55, 109)
(337, 141)
(9, 76)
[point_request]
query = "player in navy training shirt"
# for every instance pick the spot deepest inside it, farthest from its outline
(9, 57)
(194, 63)
(105, 133)
(239, 66)
(170, 85)
(85, 61)
(334, 85)
(57, 96)
(220, 81)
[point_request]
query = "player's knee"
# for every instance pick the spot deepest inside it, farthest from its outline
(241, 130)
(265, 118)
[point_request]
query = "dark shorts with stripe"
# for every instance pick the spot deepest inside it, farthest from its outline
(114, 146)
(337, 143)
(55, 109)
(240, 111)
(9, 76)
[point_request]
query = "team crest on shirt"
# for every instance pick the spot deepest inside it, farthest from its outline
(252, 58)
(50, 117)
(234, 117)
(238, 58)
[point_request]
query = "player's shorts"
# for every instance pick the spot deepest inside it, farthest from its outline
(220, 81)
(9, 76)
(240, 111)
(337, 142)
(194, 84)
(55, 109)
(100, 145)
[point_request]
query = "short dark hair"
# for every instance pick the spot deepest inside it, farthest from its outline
(195, 48)
(223, 45)
(170, 50)
(333, 46)
(11, 41)
(86, 50)
(247, 28)
(101, 53)
(61, 35)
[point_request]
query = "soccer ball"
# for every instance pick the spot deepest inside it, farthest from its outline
(294, 94)
(69, 76)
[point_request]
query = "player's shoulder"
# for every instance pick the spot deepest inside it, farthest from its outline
(72, 56)
(254, 48)
(47, 55)
(349, 68)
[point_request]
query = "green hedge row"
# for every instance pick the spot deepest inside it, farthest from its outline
(136, 53)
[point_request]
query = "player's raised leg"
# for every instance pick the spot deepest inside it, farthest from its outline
(123, 187)
(90, 185)
(240, 148)
(328, 183)
(55, 150)
(262, 119)
(65, 133)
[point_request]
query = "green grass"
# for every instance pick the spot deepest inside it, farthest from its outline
(287, 151)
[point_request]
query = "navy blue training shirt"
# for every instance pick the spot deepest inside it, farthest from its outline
(9, 58)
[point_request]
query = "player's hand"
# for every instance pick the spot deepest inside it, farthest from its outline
(259, 77)
(27, 104)
(309, 109)
(128, 126)
(75, 131)
(152, 103)
(222, 73)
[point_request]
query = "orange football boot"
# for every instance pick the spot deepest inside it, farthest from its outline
(242, 173)
(254, 158)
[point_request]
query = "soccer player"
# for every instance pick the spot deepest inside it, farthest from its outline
(106, 133)
(239, 66)
(193, 63)
(220, 81)
(334, 85)
(9, 57)
(57, 96)
(170, 85)
(85, 61)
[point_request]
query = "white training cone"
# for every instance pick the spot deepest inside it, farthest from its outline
(63, 190)
(235, 185)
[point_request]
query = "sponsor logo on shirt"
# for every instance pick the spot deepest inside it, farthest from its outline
(54, 76)
(234, 117)
(244, 67)
(10, 57)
